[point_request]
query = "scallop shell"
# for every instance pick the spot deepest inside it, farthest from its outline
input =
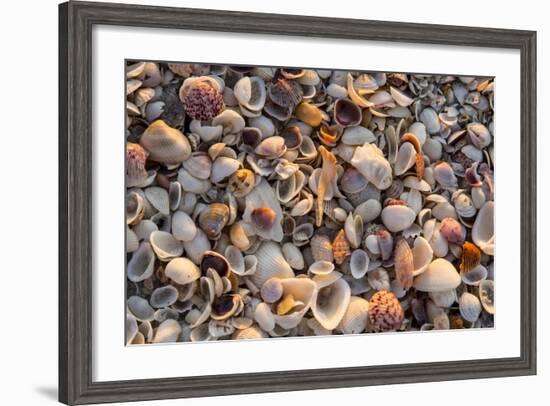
(356, 317)
(469, 307)
(404, 264)
(141, 265)
(271, 263)
(370, 162)
(321, 248)
(330, 304)
(165, 144)
(483, 233)
(440, 276)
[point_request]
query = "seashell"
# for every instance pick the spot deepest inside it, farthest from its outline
(346, 113)
(475, 276)
(336, 91)
(369, 210)
(326, 179)
(195, 248)
(452, 230)
(487, 294)
(422, 255)
(302, 234)
(163, 296)
(136, 174)
(370, 162)
(469, 307)
(419, 130)
(165, 144)
(222, 168)
(250, 333)
(385, 244)
(464, 205)
(356, 317)
(358, 136)
(140, 308)
(144, 229)
(303, 291)
(263, 196)
(321, 248)
(418, 184)
(304, 206)
(271, 263)
(285, 93)
(330, 304)
(397, 217)
(483, 233)
(272, 147)
(441, 322)
(231, 121)
(404, 264)
(132, 241)
(216, 262)
(264, 317)
(406, 158)
(174, 195)
(309, 78)
(241, 182)
(239, 238)
(191, 184)
(359, 263)
(479, 135)
(165, 246)
(182, 271)
(445, 176)
(440, 276)
(272, 290)
(385, 312)
(131, 328)
(430, 119)
(293, 137)
(251, 93)
(167, 332)
(294, 256)
(443, 210)
(400, 98)
(309, 114)
(471, 256)
(183, 226)
(158, 197)
(443, 299)
(287, 189)
(340, 247)
(135, 207)
(226, 306)
(264, 124)
(353, 228)
(213, 219)
(352, 181)
(321, 267)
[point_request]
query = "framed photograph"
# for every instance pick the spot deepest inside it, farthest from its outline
(262, 202)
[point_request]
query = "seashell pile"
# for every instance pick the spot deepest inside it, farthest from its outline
(279, 202)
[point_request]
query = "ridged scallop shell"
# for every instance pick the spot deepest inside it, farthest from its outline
(321, 248)
(141, 265)
(385, 312)
(356, 317)
(440, 276)
(397, 217)
(271, 263)
(370, 162)
(331, 303)
(469, 307)
(404, 264)
(165, 144)
(483, 233)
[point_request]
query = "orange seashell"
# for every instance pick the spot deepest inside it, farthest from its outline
(419, 166)
(328, 173)
(340, 247)
(321, 248)
(329, 135)
(263, 218)
(404, 264)
(471, 256)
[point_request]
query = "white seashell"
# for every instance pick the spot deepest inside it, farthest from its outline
(250, 91)
(135, 208)
(422, 255)
(140, 308)
(264, 124)
(264, 317)
(164, 143)
(183, 226)
(440, 276)
(142, 263)
(469, 307)
(303, 290)
(371, 243)
(439, 244)
(433, 149)
(198, 165)
(144, 229)
(464, 205)
(357, 136)
(419, 130)
(418, 184)
(263, 196)
(356, 317)
(400, 98)
(414, 200)
(195, 248)
(164, 296)
(472, 152)
(478, 197)
(236, 259)
(369, 160)
(379, 279)
(369, 210)
(207, 133)
(168, 331)
(431, 120)
(337, 91)
(444, 175)
(397, 217)
(220, 328)
(483, 233)
(222, 168)
(191, 184)
(271, 263)
(486, 295)
(475, 276)
(293, 256)
(445, 298)
(182, 271)
(201, 333)
(353, 228)
(406, 158)
(131, 328)
(132, 240)
(359, 263)
(443, 210)
(321, 267)
(165, 245)
(231, 121)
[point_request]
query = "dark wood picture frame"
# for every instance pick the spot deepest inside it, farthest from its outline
(76, 20)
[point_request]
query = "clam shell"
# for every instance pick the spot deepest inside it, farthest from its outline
(165, 144)
(182, 271)
(135, 208)
(141, 265)
(359, 263)
(140, 308)
(231, 121)
(406, 158)
(397, 217)
(445, 298)
(419, 130)
(444, 175)
(486, 295)
(222, 168)
(132, 240)
(422, 255)
(198, 165)
(183, 226)
(131, 328)
(144, 229)
(356, 317)
(479, 135)
(251, 93)
(191, 184)
(272, 290)
(440, 276)
(303, 290)
(358, 136)
(164, 244)
(331, 303)
(264, 317)
(195, 248)
(167, 332)
(163, 296)
(354, 230)
(271, 263)
(294, 256)
(158, 197)
(431, 120)
(370, 162)
(475, 276)
(469, 307)
(213, 219)
(321, 268)
(368, 210)
(483, 233)
(250, 333)
(263, 196)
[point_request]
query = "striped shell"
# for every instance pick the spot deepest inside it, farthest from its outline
(404, 264)
(340, 247)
